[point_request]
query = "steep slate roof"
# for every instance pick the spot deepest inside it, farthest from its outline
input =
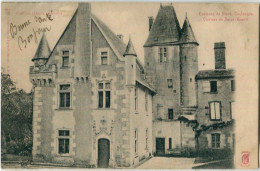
(43, 51)
(118, 44)
(187, 35)
(217, 73)
(130, 50)
(166, 27)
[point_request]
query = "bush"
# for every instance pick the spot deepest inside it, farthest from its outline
(188, 152)
(12, 147)
(216, 154)
(24, 153)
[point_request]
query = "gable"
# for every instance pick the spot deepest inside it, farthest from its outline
(114, 42)
(68, 37)
(99, 43)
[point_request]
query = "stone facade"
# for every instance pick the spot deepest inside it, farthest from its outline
(216, 104)
(96, 105)
(70, 129)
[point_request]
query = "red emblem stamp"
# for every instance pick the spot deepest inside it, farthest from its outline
(245, 158)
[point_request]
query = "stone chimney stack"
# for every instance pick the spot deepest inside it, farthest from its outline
(150, 22)
(83, 40)
(220, 59)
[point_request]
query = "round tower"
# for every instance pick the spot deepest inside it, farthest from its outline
(130, 63)
(188, 65)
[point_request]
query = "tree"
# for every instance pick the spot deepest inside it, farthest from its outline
(16, 115)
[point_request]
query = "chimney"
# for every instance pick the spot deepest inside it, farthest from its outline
(150, 22)
(83, 40)
(220, 61)
(120, 36)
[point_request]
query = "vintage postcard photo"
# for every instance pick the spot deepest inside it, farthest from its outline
(132, 85)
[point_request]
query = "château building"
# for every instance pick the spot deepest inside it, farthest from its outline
(95, 104)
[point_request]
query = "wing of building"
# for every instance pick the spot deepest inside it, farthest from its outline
(96, 105)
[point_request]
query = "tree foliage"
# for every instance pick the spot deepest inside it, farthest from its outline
(16, 118)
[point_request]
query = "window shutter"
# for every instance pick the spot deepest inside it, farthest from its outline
(209, 140)
(233, 111)
(212, 111)
(222, 140)
(206, 86)
(217, 108)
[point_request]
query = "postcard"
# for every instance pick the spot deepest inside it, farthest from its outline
(134, 85)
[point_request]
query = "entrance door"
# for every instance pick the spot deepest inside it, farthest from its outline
(103, 153)
(160, 146)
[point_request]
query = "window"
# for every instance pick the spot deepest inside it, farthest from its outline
(146, 101)
(64, 96)
(170, 113)
(213, 86)
(64, 141)
(136, 99)
(169, 83)
(209, 86)
(146, 139)
(104, 58)
(232, 110)
(104, 91)
(233, 85)
(170, 143)
(215, 109)
(136, 141)
(162, 54)
(215, 140)
(65, 58)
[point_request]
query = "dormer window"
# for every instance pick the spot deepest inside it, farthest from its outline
(162, 54)
(104, 58)
(65, 58)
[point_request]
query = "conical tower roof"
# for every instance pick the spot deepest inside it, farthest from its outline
(130, 48)
(166, 27)
(43, 51)
(187, 35)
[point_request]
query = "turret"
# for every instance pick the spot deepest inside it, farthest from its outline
(130, 64)
(188, 65)
(42, 53)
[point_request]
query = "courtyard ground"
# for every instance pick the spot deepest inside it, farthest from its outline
(153, 163)
(168, 163)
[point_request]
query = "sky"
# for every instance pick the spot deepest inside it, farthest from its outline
(130, 19)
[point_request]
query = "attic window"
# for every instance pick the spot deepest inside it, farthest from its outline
(104, 58)
(65, 58)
